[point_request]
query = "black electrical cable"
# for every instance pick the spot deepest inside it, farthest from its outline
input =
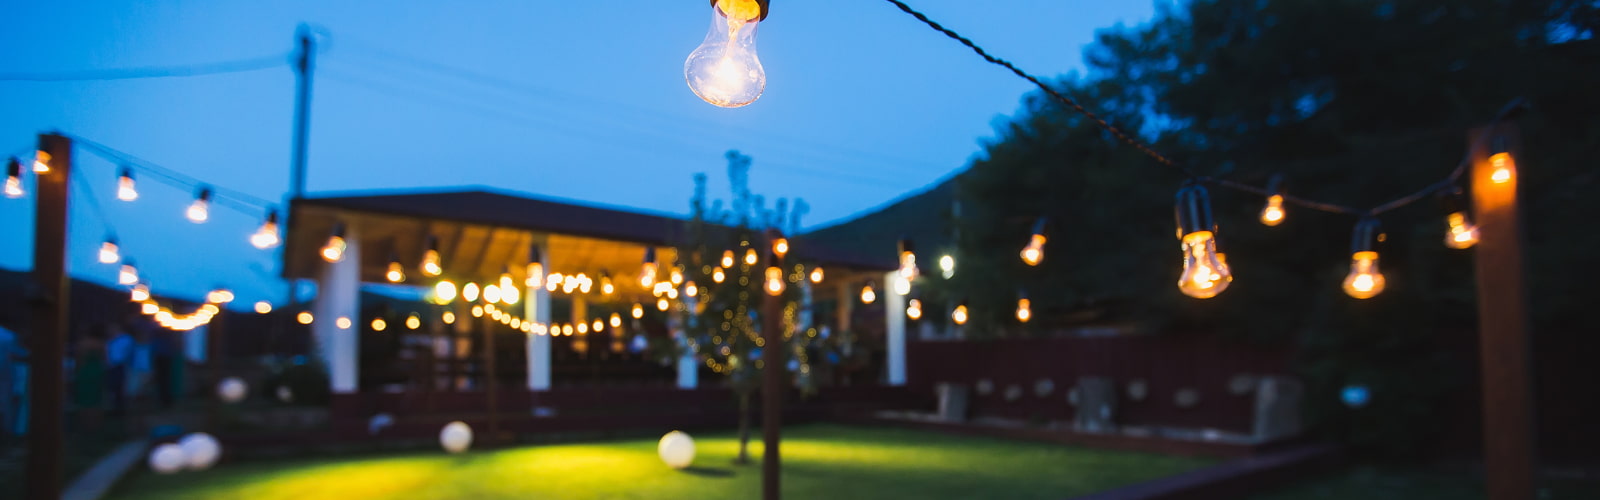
(203, 69)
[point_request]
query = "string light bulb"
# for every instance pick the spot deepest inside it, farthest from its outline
(959, 315)
(676, 276)
(750, 257)
(1033, 253)
(263, 307)
(303, 318)
(947, 266)
(616, 320)
(333, 250)
(413, 322)
(1024, 309)
(396, 272)
(597, 326)
(914, 309)
(1204, 274)
(780, 247)
(342, 322)
(816, 274)
(868, 295)
(908, 260)
(690, 289)
(378, 324)
(125, 188)
(774, 281)
(444, 291)
(449, 318)
(477, 311)
(266, 236)
(469, 292)
(1461, 233)
(1272, 214)
(717, 275)
(724, 70)
(647, 272)
(128, 274)
(14, 179)
(140, 293)
(108, 251)
(491, 293)
(1504, 168)
(638, 311)
(510, 295)
(219, 296)
(431, 264)
(661, 304)
(1365, 281)
(727, 258)
(606, 287)
(41, 162)
(535, 269)
(200, 210)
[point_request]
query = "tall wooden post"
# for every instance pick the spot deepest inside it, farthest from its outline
(47, 385)
(302, 114)
(491, 386)
(1508, 437)
(772, 375)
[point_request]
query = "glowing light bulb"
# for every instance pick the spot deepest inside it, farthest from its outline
(108, 252)
(1364, 280)
(535, 277)
(816, 275)
(267, 235)
(566, 330)
(616, 320)
(128, 275)
(774, 284)
(780, 246)
(691, 290)
(469, 292)
(149, 308)
(219, 296)
(491, 293)
(449, 318)
(717, 275)
(430, 263)
(263, 307)
(333, 250)
(41, 162)
(553, 282)
(727, 258)
(303, 318)
(125, 187)
(914, 309)
(506, 281)
(638, 311)
(647, 275)
(959, 315)
(477, 311)
(908, 261)
(724, 69)
(1034, 252)
(141, 292)
(396, 273)
(510, 296)
(378, 324)
(514, 321)
(597, 326)
(750, 257)
(947, 266)
(1463, 234)
(661, 304)
(343, 323)
(606, 287)
(1504, 168)
(444, 291)
(676, 276)
(902, 285)
(1272, 215)
(1024, 310)
(1204, 275)
(413, 322)
(868, 296)
(200, 210)
(14, 186)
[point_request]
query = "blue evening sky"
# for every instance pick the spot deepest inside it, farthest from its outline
(582, 100)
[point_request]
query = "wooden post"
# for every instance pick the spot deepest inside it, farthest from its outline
(772, 375)
(214, 332)
(490, 385)
(1508, 437)
(47, 383)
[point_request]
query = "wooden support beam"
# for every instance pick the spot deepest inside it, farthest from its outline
(47, 383)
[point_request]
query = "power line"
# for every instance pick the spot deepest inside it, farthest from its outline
(202, 69)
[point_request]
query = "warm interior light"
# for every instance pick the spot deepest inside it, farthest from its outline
(1364, 280)
(397, 272)
(1024, 310)
(1204, 275)
(868, 295)
(959, 315)
(1034, 252)
(1272, 215)
(108, 252)
(1503, 168)
(125, 189)
(724, 70)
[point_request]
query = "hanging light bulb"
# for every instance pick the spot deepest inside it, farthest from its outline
(676, 277)
(724, 69)
(750, 257)
(638, 311)
(1462, 233)
(868, 295)
(41, 162)
(717, 275)
(149, 308)
(1034, 252)
(267, 235)
(902, 285)
(263, 307)
(774, 280)
(431, 264)
(333, 250)
(661, 304)
(616, 320)
(554, 281)
(141, 292)
(469, 292)
(200, 210)
(914, 309)
(690, 290)
(397, 272)
(908, 260)
(535, 270)
(14, 179)
(1024, 309)
(128, 275)
(1364, 280)
(816, 274)
(108, 251)
(342, 322)
(378, 324)
(727, 258)
(219, 296)
(448, 318)
(125, 187)
(477, 311)
(510, 295)
(647, 272)
(780, 247)
(444, 291)
(1204, 274)
(491, 293)
(1504, 168)
(303, 318)
(959, 315)
(1273, 213)
(597, 326)
(413, 322)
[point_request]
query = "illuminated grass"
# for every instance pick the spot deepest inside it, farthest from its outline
(820, 461)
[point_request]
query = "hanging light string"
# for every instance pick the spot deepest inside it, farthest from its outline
(1423, 193)
(238, 200)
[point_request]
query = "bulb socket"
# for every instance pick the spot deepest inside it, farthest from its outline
(1453, 200)
(764, 4)
(204, 194)
(537, 256)
(1193, 209)
(1038, 226)
(14, 167)
(1365, 236)
(650, 255)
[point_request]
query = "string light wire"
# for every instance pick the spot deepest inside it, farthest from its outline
(186, 70)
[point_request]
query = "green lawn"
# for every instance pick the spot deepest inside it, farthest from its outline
(820, 461)
(1416, 483)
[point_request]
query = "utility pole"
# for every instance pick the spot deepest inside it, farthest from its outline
(47, 385)
(772, 375)
(302, 112)
(1508, 437)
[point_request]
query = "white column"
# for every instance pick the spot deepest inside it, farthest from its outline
(894, 309)
(536, 302)
(339, 296)
(688, 367)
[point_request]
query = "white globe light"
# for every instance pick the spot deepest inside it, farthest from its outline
(676, 449)
(456, 437)
(284, 394)
(232, 390)
(167, 459)
(200, 450)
